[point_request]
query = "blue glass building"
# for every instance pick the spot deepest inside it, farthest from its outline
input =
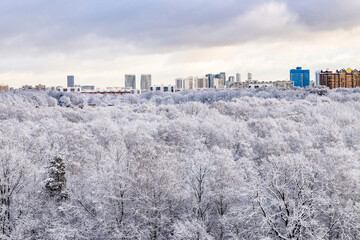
(300, 77)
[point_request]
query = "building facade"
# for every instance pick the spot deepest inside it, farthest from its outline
(27, 87)
(4, 88)
(218, 83)
(260, 84)
(162, 88)
(201, 82)
(40, 87)
(238, 77)
(221, 76)
(340, 79)
(69, 89)
(188, 83)
(317, 78)
(283, 84)
(179, 83)
(211, 79)
(88, 88)
(70, 81)
(130, 81)
(300, 77)
(145, 82)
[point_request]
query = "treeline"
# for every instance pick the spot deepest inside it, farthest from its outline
(229, 164)
(207, 96)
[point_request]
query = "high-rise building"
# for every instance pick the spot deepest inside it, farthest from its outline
(201, 82)
(145, 82)
(179, 83)
(70, 81)
(317, 78)
(188, 83)
(250, 77)
(230, 81)
(130, 81)
(211, 79)
(300, 77)
(238, 77)
(223, 77)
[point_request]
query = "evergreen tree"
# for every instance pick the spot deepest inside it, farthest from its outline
(56, 182)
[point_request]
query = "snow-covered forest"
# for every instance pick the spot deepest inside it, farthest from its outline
(226, 164)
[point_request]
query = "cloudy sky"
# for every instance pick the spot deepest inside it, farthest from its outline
(99, 41)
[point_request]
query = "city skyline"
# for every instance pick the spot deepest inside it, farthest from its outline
(101, 41)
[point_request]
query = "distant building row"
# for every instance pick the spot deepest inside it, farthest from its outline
(344, 78)
(209, 81)
(217, 81)
(339, 79)
(298, 78)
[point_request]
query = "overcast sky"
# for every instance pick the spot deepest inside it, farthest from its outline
(99, 41)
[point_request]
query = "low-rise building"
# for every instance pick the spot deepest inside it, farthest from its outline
(120, 91)
(27, 87)
(40, 87)
(162, 88)
(259, 84)
(68, 89)
(283, 84)
(4, 88)
(88, 87)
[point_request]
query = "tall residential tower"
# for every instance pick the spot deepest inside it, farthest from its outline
(300, 77)
(238, 77)
(130, 81)
(145, 82)
(211, 79)
(70, 81)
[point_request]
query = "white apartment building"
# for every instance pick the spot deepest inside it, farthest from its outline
(201, 82)
(188, 83)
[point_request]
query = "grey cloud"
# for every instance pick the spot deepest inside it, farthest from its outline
(327, 14)
(62, 25)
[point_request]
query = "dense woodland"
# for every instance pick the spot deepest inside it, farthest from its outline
(212, 164)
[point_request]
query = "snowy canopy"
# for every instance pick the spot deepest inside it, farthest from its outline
(249, 164)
